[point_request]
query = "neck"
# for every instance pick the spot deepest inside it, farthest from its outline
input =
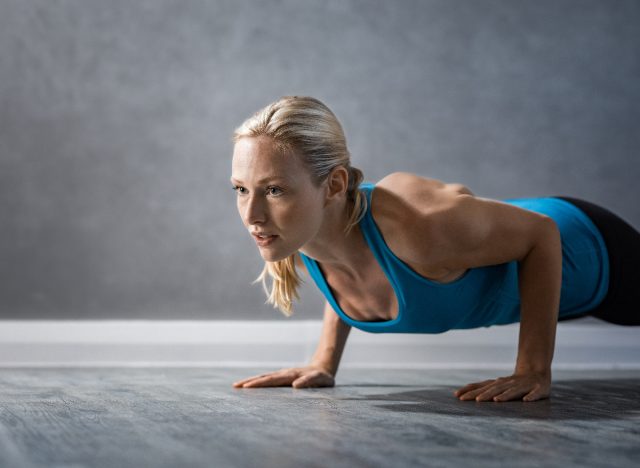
(334, 249)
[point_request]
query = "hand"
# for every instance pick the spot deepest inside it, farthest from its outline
(531, 386)
(297, 377)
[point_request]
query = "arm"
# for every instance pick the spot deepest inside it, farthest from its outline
(537, 246)
(324, 363)
(472, 232)
(540, 281)
(332, 341)
(333, 337)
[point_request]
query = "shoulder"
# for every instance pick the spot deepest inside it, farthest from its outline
(416, 184)
(402, 197)
(442, 227)
(408, 209)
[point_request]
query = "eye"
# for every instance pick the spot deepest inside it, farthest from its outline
(269, 189)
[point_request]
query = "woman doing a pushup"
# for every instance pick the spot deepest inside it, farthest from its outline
(410, 254)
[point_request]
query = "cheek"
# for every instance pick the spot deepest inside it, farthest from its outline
(291, 216)
(306, 217)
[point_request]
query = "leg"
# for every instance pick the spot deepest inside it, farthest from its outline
(621, 305)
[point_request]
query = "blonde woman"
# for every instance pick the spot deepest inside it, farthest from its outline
(410, 254)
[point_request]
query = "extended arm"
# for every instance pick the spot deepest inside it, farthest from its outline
(332, 341)
(324, 363)
(540, 281)
(474, 232)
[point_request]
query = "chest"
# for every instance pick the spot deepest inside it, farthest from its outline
(373, 298)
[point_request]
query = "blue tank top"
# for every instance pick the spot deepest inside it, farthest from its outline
(482, 296)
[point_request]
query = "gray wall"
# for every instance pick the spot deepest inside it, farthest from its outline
(116, 119)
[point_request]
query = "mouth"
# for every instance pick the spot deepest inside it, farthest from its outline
(262, 235)
(264, 240)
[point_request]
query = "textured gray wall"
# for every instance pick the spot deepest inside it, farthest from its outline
(116, 118)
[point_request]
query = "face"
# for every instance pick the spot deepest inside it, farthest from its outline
(275, 195)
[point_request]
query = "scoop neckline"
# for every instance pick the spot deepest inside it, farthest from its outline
(377, 323)
(368, 188)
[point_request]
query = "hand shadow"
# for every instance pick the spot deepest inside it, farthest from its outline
(582, 399)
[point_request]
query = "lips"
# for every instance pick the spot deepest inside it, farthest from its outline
(265, 241)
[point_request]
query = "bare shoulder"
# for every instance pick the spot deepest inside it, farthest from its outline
(406, 208)
(400, 196)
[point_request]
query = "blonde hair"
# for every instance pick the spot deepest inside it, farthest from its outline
(304, 126)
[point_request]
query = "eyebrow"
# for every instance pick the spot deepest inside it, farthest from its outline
(266, 179)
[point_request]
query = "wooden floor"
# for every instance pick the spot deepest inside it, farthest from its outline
(192, 417)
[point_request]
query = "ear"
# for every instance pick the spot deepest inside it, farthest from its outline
(337, 183)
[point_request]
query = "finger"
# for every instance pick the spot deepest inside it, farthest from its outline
(488, 391)
(524, 391)
(302, 382)
(472, 390)
(512, 394)
(537, 393)
(271, 380)
(472, 394)
(471, 386)
(481, 393)
(248, 379)
(502, 394)
(278, 372)
(494, 391)
(268, 380)
(282, 370)
(239, 383)
(312, 379)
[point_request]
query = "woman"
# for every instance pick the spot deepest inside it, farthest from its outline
(415, 255)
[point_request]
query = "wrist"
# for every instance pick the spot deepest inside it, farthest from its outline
(532, 369)
(323, 366)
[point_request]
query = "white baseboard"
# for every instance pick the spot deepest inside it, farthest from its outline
(222, 343)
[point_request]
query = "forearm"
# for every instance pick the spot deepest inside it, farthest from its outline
(332, 341)
(540, 282)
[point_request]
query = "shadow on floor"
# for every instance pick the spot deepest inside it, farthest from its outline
(570, 399)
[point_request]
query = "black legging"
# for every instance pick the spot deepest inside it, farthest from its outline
(621, 305)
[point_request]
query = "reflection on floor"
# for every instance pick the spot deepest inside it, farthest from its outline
(192, 417)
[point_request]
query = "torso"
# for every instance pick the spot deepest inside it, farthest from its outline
(373, 299)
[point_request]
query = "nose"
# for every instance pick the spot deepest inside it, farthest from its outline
(254, 212)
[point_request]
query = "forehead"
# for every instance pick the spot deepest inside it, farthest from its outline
(257, 159)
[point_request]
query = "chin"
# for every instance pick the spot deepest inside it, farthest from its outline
(269, 256)
(273, 258)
